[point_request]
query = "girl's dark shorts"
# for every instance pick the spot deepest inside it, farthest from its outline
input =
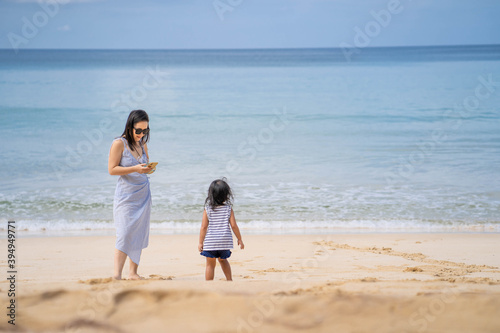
(222, 254)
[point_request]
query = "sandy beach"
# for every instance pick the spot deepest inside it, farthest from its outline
(282, 283)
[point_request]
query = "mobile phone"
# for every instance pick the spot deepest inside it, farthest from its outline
(151, 165)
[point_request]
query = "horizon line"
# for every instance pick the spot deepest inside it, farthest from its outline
(247, 49)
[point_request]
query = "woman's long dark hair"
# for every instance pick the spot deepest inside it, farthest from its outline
(135, 117)
(219, 193)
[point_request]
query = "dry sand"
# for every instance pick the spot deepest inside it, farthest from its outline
(282, 283)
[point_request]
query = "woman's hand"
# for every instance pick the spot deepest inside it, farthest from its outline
(200, 247)
(140, 168)
(240, 243)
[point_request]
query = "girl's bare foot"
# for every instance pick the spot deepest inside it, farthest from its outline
(117, 277)
(135, 277)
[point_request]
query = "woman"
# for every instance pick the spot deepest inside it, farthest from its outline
(132, 203)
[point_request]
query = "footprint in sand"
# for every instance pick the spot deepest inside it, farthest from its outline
(413, 269)
(271, 270)
(96, 281)
(419, 257)
(369, 279)
(159, 277)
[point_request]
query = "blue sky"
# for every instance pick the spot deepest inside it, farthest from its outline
(194, 24)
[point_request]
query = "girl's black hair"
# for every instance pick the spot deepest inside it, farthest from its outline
(219, 193)
(135, 117)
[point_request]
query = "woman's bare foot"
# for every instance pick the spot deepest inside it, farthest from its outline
(135, 277)
(117, 277)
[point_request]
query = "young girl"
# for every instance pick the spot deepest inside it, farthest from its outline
(215, 236)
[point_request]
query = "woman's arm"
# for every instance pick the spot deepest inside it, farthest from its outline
(236, 230)
(203, 230)
(115, 155)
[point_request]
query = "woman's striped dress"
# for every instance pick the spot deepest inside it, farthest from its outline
(219, 236)
(132, 207)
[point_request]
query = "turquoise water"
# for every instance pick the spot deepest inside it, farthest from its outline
(397, 139)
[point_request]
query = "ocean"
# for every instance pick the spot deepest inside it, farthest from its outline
(391, 140)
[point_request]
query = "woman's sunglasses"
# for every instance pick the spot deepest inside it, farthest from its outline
(140, 130)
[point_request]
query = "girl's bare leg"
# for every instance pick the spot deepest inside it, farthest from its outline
(226, 268)
(120, 258)
(209, 270)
